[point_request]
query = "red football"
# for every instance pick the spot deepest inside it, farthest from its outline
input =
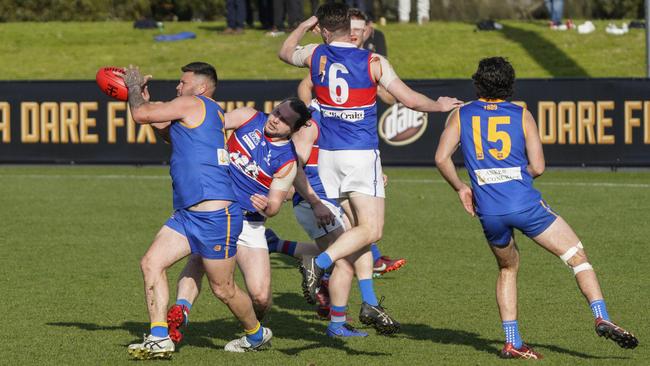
(111, 84)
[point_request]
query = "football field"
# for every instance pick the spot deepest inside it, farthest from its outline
(71, 290)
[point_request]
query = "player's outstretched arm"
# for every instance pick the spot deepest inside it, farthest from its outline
(448, 144)
(144, 111)
(237, 117)
(289, 53)
(534, 150)
(385, 76)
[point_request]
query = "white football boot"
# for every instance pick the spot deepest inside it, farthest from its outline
(242, 344)
(152, 348)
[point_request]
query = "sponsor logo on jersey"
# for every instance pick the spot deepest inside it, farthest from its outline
(222, 156)
(497, 175)
(252, 139)
(400, 125)
(346, 115)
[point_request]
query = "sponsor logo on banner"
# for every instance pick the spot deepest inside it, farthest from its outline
(400, 125)
(497, 175)
(346, 115)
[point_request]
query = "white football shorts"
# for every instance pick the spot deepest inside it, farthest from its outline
(305, 216)
(346, 171)
(253, 235)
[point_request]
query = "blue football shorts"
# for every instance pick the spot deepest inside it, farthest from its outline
(211, 234)
(498, 229)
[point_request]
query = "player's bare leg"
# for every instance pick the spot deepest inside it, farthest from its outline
(256, 268)
(560, 238)
(167, 248)
(366, 214)
(220, 273)
(506, 290)
(562, 241)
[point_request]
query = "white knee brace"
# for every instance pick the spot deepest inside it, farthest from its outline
(570, 253)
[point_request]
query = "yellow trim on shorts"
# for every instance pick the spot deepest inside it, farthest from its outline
(254, 330)
(548, 209)
(227, 232)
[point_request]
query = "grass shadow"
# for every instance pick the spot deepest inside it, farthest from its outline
(545, 53)
(474, 340)
(215, 334)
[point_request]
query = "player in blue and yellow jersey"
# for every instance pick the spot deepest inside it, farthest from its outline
(207, 219)
(345, 80)
(263, 167)
(503, 154)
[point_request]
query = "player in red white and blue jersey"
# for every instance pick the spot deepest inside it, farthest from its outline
(207, 219)
(503, 154)
(345, 80)
(262, 167)
(324, 233)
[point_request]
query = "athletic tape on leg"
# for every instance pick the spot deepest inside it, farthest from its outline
(582, 267)
(570, 253)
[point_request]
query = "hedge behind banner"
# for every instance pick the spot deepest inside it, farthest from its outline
(592, 122)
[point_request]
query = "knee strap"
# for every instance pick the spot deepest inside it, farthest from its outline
(582, 267)
(570, 253)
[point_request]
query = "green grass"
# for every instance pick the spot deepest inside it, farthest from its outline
(75, 50)
(71, 289)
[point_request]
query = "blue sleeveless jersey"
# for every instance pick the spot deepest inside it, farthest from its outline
(199, 161)
(346, 93)
(492, 138)
(311, 168)
(254, 159)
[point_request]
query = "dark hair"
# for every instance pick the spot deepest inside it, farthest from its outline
(299, 107)
(202, 68)
(494, 78)
(334, 17)
(356, 13)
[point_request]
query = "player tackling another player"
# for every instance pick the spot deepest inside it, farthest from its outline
(503, 154)
(207, 219)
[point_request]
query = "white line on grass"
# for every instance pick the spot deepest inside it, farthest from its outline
(582, 184)
(396, 180)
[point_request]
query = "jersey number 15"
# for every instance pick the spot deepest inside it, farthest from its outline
(493, 136)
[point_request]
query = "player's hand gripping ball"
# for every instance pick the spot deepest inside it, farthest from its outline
(112, 84)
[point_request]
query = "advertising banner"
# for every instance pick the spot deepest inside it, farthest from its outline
(582, 122)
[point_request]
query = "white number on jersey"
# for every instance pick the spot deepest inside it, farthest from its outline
(336, 82)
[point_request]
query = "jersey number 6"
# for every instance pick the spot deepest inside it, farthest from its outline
(339, 89)
(493, 136)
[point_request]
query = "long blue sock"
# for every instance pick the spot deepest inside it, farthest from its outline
(511, 329)
(159, 329)
(184, 302)
(337, 316)
(255, 335)
(368, 292)
(376, 254)
(599, 309)
(323, 261)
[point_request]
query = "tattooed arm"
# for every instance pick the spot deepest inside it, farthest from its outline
(189, 109)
